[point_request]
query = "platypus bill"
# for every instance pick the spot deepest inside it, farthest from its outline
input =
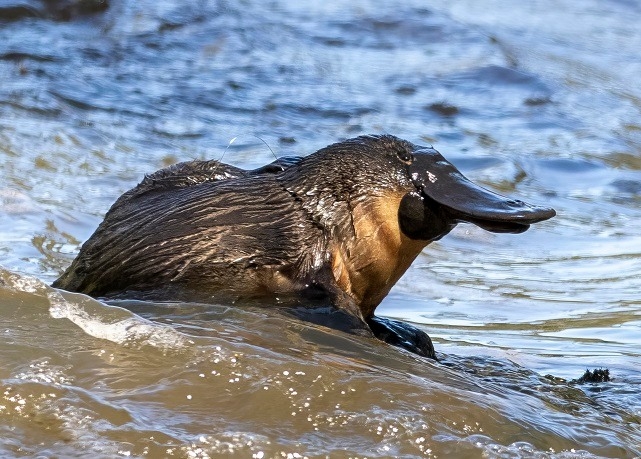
(338, 227)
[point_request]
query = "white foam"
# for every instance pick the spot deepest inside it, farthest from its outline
(98, 319)
(20, 283)
(113, 323)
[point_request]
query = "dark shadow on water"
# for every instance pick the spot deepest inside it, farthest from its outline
(58, 10)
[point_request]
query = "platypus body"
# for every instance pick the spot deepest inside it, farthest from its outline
(338, 227)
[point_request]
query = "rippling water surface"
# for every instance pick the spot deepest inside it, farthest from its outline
(540, 100)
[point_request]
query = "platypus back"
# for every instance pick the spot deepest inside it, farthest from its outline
(185, 232)
(343, 223)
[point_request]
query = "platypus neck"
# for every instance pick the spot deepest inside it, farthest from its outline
(368, 262)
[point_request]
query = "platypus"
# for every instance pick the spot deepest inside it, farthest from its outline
(338, 227)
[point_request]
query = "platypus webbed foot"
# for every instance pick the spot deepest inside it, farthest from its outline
(402, 335)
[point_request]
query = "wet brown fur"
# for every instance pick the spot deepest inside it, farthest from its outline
(368, 265)
(341, 226)
(196, 231)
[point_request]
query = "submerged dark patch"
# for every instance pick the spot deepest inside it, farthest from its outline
(598, 375)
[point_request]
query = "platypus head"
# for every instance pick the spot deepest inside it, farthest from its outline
(384, 199)
(435, 196)
(442, 193)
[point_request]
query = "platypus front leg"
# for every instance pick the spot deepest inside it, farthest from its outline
(345, 315)
(402, 335)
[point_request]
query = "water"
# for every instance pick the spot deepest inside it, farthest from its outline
(539, 100)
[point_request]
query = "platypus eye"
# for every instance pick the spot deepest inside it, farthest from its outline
(405, 156)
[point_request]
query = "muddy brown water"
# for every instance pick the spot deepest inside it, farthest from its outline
(540, 100)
